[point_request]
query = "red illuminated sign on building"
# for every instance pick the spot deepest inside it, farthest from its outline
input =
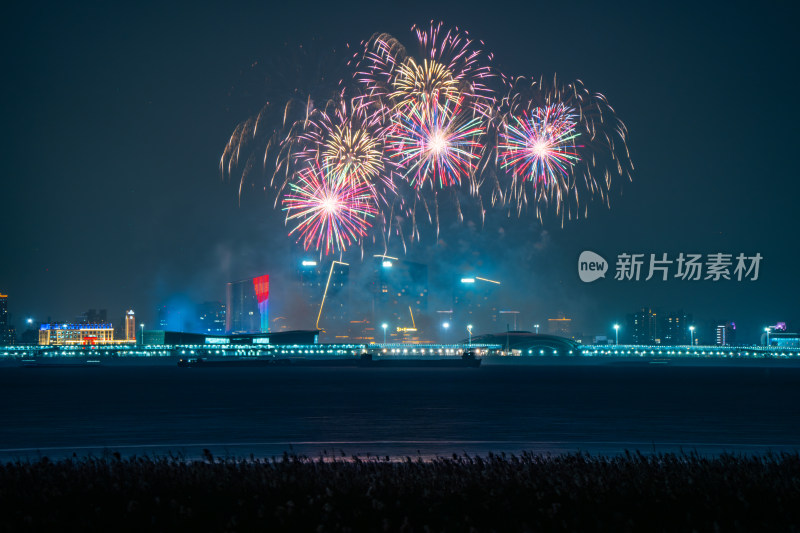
(261, 284)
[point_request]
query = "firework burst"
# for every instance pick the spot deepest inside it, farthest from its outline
(330, 210)
(433, 144)
(349, 139)
(448, 69)
(565, 141)
(540, 146)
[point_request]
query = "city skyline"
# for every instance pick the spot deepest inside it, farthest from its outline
(644, 326)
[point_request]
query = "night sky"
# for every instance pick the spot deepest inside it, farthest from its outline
(114, 119)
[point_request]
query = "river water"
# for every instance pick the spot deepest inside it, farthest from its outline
(550, 409)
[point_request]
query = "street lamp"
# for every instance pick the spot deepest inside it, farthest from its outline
(446, 326)
(469, 328)
(141, 340)
(29, 321)
(537, 328)
(616, 334)
(767, 330)
(384, 326)
(691, 331)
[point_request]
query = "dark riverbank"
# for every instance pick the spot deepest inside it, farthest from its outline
(496, 493)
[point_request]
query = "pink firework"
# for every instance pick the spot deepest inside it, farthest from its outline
(429, 143)
(540, 146)
(331, 211)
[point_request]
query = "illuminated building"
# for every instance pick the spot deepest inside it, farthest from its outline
(726, 334)
(261, 285)
(399, 295)
(324, 296)
(646, 327)
(130, 326)
(293, 337)
(246, 306)
(211, 316)
(642, 326)
(782, 339)
(560, 326)
(311, 277)
(7, 332)
(778, 337)
(332, 313)
(673, 329)
(63, 334)
(475, 301)
(162, 317)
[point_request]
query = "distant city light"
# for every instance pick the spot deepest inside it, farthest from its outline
(467, 280)
(387, 263)
(309, 263)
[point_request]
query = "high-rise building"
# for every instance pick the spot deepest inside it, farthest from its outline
(3, 309)
(7, 332)
(673, 329)
(475, 301)
(261, 285)
(246, 306)
(311, 278)
(726, 334)
(130, 326)
(328, 281)
(399, 295)
(211, 316)
(642, 326)
(561, 326)
(325, 290)
(162, 318)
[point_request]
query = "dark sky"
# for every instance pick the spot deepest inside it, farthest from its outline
(114, 120)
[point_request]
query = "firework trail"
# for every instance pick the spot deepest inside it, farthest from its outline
(296, 80)
(331, 211)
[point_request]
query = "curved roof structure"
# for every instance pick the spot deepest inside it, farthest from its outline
(525, 340)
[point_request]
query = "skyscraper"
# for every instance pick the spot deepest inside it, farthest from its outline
(325, 290)
(475, 301)
(211, 316)
(673, 328)
(7, 332)
(561, 326)
(245, 301)
(642, 326)
(261, 285)
(3, 309)
(726, 334)
(399, 294)
(130, 326)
